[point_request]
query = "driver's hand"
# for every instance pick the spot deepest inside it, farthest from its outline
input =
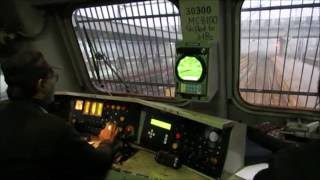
(109, 133)
(109, 141)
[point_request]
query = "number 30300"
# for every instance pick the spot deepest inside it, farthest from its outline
(198, 10)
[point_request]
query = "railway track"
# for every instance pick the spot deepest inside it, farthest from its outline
(265, 75)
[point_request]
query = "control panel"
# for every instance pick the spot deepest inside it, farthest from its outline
(197, 145)
(175, 136)
(91, 116)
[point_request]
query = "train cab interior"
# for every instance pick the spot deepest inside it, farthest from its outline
(198, 89)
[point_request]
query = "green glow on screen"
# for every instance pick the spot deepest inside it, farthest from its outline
(161, 124)
(190, 69)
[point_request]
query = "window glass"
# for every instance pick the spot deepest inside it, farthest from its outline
(279, 62)
(130, 48)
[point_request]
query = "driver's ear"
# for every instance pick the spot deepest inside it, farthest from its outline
(40, 84)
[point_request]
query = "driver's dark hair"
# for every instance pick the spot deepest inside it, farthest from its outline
(22, 73)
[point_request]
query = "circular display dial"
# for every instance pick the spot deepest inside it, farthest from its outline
(190, 68)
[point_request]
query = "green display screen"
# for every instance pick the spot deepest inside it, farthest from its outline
(189, 68)
(161, 124)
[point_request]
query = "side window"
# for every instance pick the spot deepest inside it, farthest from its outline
(130, 48)
(279, 63)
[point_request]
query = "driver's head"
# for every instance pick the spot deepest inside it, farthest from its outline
(28, 75)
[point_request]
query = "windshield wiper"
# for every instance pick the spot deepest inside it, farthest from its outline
(100, 56)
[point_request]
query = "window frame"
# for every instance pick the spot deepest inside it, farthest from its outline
(83, 75)
(238, 101)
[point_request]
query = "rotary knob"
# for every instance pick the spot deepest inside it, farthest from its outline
(213, 136)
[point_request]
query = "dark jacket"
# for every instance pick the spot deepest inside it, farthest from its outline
(299, 163)
(38, 145)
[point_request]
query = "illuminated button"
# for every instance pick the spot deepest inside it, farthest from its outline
(178, 136)
(165, 140)
(123, 108)
(107, 106)
(122, 118)
(86, 108)
(99, 110)
(93, 108)
(118, 108)
(128, 129)
(174, 145)
(151, 133)
(78, 105)
(113, 107)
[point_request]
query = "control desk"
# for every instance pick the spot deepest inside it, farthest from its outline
(154, 132)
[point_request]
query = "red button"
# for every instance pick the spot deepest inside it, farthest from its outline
(129, 129)
(178, 136)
